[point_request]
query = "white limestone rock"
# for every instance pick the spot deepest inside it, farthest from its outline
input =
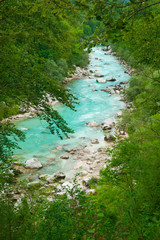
(108, 124)
(94, 141)
(101, 80)
(111, 79)
(33, 163)
(56, 177)
(99, 75)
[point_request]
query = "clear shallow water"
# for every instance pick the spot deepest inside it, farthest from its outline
(95, 106)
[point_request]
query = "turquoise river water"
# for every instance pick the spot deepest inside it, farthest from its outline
(95, 106)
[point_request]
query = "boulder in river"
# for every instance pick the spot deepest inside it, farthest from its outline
(123, 82)
(101, 80)
(99, 75)
(108, 124)
(33, 163)
(112, 91)
(92, 124)
(111, 79)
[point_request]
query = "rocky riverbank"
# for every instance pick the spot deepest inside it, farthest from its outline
(108, 51)
(90, 159)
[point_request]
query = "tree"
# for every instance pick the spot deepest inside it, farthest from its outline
(38, 41)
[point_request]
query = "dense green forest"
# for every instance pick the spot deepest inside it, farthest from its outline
(41, 43)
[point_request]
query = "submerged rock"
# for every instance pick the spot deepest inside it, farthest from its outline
(33, 163)
(59, 148)
(65, 157)
(92, 124)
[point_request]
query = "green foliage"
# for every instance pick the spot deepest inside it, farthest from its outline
(40, 44)
(57, 71)
(34, 218)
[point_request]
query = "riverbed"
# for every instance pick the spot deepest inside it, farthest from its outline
(94, 104)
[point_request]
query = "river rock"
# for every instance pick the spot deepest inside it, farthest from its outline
(94, 90)
(112, 91)
(101, 80)
(56, 177)
(99, 75)
(42, 176)
(101, 150)
(123, 82)
(109, 138)
(59, 176)
(85, 182)
(90, 191)
(105, 48)
(122, 132)
(36, 156)
(83, 173)
(33, 163)
(111, 79)
(59, 148)
(68, 185)
(117, 91)
(65, 157)
(91, 85)
(108, 124)
(92, 124)
(94, 141)
(119, 114)
(118, 86)
(106, 89)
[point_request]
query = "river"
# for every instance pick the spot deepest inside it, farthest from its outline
(93, 105)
